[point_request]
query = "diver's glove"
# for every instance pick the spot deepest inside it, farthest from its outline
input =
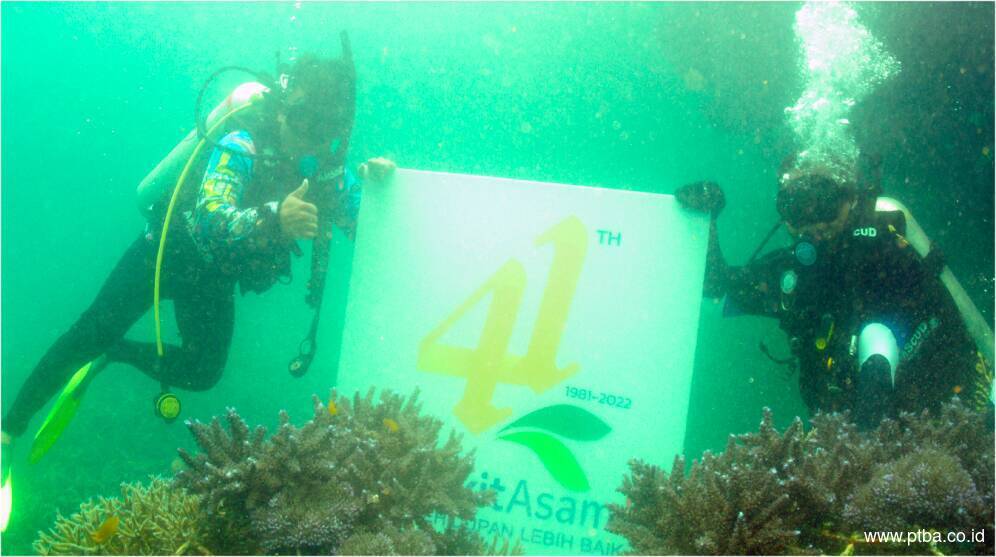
(706, 197)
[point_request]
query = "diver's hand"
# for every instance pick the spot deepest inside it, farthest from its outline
(298, 218)
(377, 169)
(706, 197)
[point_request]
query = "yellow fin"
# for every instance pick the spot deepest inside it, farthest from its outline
(61, 415)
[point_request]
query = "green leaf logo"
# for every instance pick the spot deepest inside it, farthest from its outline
(567, 421)
(555, 456)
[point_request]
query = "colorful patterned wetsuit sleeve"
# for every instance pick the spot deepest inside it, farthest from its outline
(221, 223)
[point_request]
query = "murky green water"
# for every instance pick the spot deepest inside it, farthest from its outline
(636, 96)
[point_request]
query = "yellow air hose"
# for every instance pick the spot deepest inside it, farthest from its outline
(169, 216)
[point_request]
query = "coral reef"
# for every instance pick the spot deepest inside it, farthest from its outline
(816, 492)
(920, 490)
(360, 477)
(145, 520)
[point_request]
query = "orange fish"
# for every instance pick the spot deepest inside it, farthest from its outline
(333, 409)
(391, 425)
(106, 530)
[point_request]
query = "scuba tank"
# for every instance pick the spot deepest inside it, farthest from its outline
(165, 175)
(977, 326)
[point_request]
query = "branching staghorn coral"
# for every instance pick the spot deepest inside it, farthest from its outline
(732, 503)
(152, 520)
(359, 477)
(816, 492)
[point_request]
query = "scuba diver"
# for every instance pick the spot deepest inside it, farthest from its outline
(270, 170)
(872, 327)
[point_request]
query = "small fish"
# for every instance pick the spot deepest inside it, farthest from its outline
(333, 409)
(106, 530)
(391, 425)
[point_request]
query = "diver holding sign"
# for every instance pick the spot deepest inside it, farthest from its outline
(872, 327)
(272, 157)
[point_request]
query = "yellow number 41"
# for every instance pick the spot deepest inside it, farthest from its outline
(491, 363)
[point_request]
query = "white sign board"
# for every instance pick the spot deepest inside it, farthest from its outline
(553, 325)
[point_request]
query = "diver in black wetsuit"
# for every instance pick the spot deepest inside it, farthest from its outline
(871, 328)
(276, 175)
(239, 227)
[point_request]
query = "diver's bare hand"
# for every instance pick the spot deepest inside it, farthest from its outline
(377, 169)
(298, 218)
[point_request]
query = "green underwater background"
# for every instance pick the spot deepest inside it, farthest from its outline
(641, 96)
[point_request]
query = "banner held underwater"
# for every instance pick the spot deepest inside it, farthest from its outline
(553, 326)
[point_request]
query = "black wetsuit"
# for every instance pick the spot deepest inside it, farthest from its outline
(870, 275)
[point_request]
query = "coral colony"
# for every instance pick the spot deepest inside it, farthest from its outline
(802, 492)
(363, 477)
(360, 477)
(153, 520)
